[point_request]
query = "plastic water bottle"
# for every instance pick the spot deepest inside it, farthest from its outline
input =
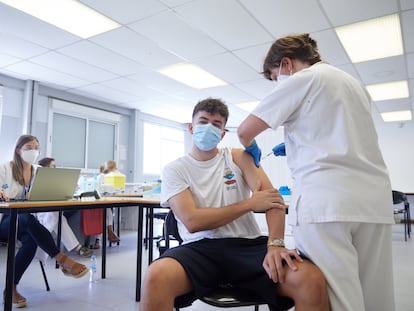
(92, 270)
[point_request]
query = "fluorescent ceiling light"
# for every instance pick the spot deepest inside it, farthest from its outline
(192, 75)
(390, 90)
(248, 106)
(394, 116)
(372, 39)
(69, 15)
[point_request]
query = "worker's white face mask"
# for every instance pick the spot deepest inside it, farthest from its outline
(29, 156)
(281, 77)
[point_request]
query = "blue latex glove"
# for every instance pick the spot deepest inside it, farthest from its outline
(279, 150)
(255, 152)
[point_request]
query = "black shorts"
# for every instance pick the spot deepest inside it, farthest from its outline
(210, 263)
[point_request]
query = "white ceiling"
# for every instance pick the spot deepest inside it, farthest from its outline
(228, 38)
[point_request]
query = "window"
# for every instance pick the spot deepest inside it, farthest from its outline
(80, 136)
(162, 145)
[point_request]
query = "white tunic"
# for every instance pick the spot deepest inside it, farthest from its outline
(214, 183)
(332, 147)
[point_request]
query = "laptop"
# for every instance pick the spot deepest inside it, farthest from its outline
(54, 184)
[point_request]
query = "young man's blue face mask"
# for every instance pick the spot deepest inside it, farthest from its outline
(206, 136)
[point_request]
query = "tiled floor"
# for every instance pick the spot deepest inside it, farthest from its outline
(117, 291)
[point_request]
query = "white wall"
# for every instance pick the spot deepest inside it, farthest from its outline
(397, 145)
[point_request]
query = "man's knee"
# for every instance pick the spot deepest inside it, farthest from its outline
(311, 284)
(167, 274)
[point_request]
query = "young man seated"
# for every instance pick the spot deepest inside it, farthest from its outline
(213, 193)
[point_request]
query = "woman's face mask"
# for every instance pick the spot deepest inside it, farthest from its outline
(206, 136)
(281, 77)
(29, 156)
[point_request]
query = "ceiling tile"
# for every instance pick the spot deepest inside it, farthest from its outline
(39, 73)
(330, 49)
(382, 70)
(161, 83)
(254, 56)
(407, 24)
(230, 20)
(393, 105)
(126, 11)
(173, 34)
(17, 47)
(410, 65)
(229, 94)
(132, 87)
(272, 15)
(87, 51)
(407, 4)
(228, 68)
(6, 60)
(257, 88)
(105, 93)
(72, 67)
(342, 12)
(134, 46)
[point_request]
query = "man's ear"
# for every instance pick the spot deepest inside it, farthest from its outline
(222, 134)
(190, 128)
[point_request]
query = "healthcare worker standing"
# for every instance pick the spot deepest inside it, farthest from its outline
(341, 206)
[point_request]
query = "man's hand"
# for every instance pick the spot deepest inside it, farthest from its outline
(255, 152)
(263, 200)
(273, 262)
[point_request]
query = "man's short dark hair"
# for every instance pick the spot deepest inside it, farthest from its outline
(212, 106)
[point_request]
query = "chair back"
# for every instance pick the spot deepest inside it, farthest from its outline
(398, 197)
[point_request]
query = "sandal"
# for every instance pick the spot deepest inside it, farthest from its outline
(96, 245)
(18, 300)
(85, 252)
(72, 268)
(113, 238)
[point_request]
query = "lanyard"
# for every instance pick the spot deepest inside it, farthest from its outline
(27, 188)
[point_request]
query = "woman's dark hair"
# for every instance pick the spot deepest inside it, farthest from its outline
(17, 163)
(212, 106)
(301, 47)
(45, 162)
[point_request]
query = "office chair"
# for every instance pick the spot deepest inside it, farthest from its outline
(224, 296)
(398, 198)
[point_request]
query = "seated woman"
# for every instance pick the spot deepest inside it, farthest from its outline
(109, 167)
(16, 177)
(50, 221)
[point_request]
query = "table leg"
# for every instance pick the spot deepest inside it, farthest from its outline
(103, 269)
(139, 253)
(59, 235)
(150, 212)
(11, 249)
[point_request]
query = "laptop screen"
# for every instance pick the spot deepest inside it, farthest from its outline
(54, 184)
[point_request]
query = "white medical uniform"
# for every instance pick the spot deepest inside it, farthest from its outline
(341, 207)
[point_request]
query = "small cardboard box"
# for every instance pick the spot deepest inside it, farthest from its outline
(116, 180)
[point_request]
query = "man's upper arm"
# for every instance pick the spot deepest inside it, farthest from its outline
(255, 177)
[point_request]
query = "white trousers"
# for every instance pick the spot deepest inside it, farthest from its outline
(356, 259)
(50, 221)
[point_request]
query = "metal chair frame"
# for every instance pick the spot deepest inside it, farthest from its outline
(398, 198)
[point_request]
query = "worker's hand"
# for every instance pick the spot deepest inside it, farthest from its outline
(279, 150)
(275, 259)
(255, 152)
